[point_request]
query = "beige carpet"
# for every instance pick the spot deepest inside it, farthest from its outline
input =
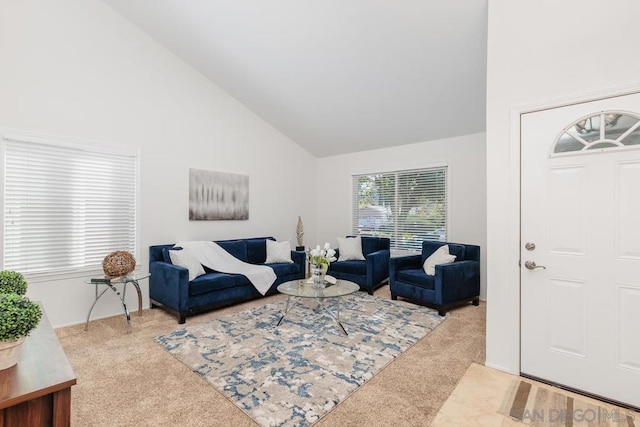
(129, 380)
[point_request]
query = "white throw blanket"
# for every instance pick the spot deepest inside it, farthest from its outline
(212, 255)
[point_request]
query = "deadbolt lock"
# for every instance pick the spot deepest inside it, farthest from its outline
(529, 246)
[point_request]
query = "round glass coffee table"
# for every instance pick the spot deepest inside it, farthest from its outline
(298, 290)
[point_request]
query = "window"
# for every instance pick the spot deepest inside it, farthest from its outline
(66, 206)
(406, 206)
(601, 131)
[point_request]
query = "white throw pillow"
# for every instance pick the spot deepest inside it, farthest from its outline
(278, 251)
(184, 258)
(350, 248)
(440, 256)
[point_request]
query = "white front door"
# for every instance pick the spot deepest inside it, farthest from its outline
(580, 314)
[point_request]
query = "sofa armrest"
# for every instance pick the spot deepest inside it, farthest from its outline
(457, 281)
(377, 266)
(300, 258)
(169, 285)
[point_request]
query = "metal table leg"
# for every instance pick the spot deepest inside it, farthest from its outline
(137, 286)
(86, 326)
(319, 306)
(121, 298)
(287, 309)
(336, 316)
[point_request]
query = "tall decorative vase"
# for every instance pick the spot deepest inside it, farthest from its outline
(10, 352)
(318, 272)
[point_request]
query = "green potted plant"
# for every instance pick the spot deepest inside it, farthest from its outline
(12, 282)
(18, 316)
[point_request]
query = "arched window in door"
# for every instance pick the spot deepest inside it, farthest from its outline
(606, 130)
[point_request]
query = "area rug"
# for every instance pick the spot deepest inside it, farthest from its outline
(294, 374)
(542, 406)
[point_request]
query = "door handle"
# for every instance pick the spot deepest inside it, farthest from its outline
(531, 265)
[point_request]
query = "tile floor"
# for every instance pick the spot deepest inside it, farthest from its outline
(478, 396)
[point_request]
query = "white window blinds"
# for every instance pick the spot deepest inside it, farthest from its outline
(66, 206)
(406, 206)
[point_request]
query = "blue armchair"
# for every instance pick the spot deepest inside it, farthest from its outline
(370, 273)
(453, 283)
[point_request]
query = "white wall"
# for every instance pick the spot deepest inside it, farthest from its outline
(466, 159)
(78, 69)
(540, 52)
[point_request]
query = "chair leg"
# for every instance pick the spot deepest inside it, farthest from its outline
(371, 291)
(182, 319)
(476, 301)
(442, 313)
(394, 297)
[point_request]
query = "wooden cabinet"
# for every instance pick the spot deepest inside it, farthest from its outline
(37, 391)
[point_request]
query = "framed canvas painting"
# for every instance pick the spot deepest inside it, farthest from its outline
(218, 195)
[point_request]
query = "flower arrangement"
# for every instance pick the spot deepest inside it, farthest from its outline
(320, 257)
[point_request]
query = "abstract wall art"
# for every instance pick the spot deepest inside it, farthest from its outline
(218, 195)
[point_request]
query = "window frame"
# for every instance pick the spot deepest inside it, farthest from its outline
(418, 168)
(79, 144)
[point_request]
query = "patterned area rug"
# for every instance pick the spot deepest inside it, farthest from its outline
(542, 407)
(296, 373)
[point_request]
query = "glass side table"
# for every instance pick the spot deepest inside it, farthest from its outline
(132, 278)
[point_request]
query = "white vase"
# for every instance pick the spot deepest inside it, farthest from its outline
(10, 352)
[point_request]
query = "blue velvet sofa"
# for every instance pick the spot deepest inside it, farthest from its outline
(370, 273)
(453, 283)
(170, 288)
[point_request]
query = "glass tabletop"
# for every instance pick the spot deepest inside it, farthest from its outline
(131, 277)
(302, 289)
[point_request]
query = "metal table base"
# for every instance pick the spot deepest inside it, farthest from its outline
(320, 304)
(112, 286)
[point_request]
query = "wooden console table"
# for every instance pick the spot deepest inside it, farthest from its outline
(37, 391)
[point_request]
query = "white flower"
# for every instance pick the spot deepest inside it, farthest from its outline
(324, 256)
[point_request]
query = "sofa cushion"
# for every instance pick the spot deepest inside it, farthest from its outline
(211, 282)
(429, 247)
(284, 269)
(457, 250)
(257, 249)
(165, 253)
(237, 248)
(440, 256)
(184, 258)
(350, 267)
(373, 244)
(350, 248)
(278, 251)
(417, 277)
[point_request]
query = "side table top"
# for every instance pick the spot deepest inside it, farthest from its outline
(131, 277)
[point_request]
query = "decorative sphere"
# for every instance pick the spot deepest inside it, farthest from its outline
(118, 263)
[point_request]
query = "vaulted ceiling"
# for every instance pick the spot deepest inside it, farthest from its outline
(335, 76)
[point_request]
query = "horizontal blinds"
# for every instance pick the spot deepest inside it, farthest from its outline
(406, 206)
(66, 208)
